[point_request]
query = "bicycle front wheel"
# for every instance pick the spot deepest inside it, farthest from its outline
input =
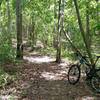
(74, 74)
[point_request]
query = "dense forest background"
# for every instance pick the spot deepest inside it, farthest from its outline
(37, 26)
(39, 22)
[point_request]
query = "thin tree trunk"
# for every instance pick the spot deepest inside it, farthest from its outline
(19, 29)
(88, 35)
(33, 35)
(55, 23)
(82, 31)
(58, 55)
(62, 15)
(97, 14)
(9, 22)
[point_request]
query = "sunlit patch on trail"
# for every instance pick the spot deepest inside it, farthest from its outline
(86, 98)
(54, 76)
(43, 59)
(8, 97)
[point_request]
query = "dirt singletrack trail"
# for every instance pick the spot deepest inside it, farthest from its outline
(40, 78)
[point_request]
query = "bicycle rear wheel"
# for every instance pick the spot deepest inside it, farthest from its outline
(95, 82)
(74, 74)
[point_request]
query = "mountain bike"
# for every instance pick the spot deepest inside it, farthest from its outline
(91, 71)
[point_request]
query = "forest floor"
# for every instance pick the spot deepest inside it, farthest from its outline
(40, 78)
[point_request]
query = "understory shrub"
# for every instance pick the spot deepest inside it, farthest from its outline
(6, 50)
(5, 78)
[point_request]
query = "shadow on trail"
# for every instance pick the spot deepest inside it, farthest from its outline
(50, 82)
(40, 78)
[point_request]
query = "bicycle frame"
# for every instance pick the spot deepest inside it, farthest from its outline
(83, 60)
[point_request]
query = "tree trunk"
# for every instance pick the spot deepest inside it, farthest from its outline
(82, 31)
(58, 55)
(62, 15)
(9, 22)
(19, 29)
(55, 29)
(0, 2)
(33, 35)
(88, 35)
(97, 14)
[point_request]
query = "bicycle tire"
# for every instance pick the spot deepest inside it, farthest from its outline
(72, 72)
(95, 82)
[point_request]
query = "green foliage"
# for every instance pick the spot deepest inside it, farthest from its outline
(97, 27)
(6, 51)
(48, 51)
(41, 13)
(68, 54)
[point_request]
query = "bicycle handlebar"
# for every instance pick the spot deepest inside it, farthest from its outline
(98, 57)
